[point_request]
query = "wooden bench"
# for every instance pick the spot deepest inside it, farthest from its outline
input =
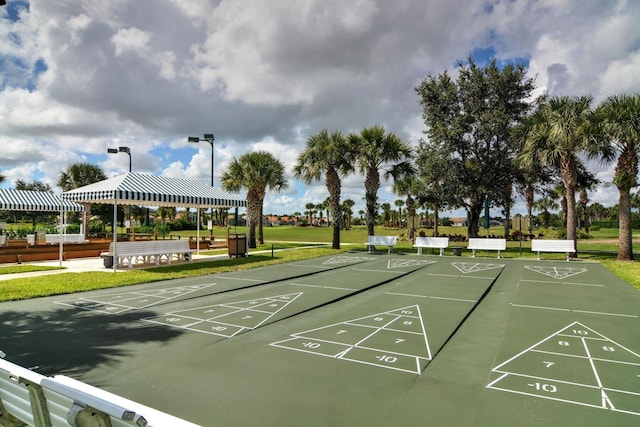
(388, 241)
(148, 251)
(566, 246)
(487, 245)
(431, 242)
(30, 398)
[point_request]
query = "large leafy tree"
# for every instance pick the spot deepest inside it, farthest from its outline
(258, 172)
(34, 216)
(377, 150)
(327, 155)
(618, 119)
(81, 174)
(470, 119)
(557, 133)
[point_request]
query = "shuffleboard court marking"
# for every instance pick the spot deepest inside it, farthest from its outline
(431, 297)
(240, 278)
(602, 313)
(399, 263)
(474, 267)
(595, 285)
(343, 259)
(227, 319)
(323, 287)
(575, 365)
(394, 339)
(136, 300)
(556, 272)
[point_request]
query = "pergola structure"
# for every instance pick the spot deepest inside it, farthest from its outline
(151, 190)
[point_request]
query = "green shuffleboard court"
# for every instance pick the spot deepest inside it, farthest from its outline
(356, 339)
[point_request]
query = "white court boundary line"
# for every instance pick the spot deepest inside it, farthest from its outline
(231, 305)
(605, 400)
(343, 355)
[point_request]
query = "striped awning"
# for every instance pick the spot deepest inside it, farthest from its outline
(41, 201)
(150, 190)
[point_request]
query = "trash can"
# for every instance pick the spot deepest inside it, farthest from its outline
(237, 244)
(108, 261)
(457, 250)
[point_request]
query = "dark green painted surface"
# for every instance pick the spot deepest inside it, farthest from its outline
(358, 341)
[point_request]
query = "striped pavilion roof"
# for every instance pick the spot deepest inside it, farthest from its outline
(41, 201)
(151, 190)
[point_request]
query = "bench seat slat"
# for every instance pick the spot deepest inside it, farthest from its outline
(388, 241)
(149, 251)
(431, 242)
(476, 243)
(542, 245)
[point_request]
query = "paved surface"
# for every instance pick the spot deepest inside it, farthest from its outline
(354, 340)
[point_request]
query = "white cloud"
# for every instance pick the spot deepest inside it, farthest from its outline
(266, 75)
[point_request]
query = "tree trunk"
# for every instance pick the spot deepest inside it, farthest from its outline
(253, 212)
(334, 188)
(411, 213)
(528, 195)
(371, 185)
(625, 179)
(568, 171)
(625, 245)
(473, 216)
(436, 220)
(260, 223)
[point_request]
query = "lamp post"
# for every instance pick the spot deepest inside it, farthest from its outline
(121, 150)
(209, 137)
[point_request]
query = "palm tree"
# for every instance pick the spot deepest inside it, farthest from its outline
(619, 124)
(399, 203)
(258, 172)
(386, 213)
(347, 212)
(557, 132)
(375, 149)
(327, 154)
(544, 204)
(78, 175)
(309, 207)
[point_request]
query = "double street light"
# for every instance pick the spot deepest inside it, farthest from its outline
(209, 137)
(121, 150)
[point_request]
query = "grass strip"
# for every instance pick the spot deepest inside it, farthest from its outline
(626, 270)
(27, 268)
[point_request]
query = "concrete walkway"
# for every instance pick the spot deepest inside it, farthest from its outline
(81, 265)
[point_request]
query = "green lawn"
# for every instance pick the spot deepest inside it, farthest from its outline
(282, 237)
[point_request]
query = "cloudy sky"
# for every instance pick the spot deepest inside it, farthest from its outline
(80, 76)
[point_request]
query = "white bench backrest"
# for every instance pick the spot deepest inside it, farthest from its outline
(382, 240)
(540, 245)
(61, 393)
(432, 242)
(151, 246)
(487, 244)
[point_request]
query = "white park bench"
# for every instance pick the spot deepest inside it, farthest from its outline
(149, 251)
(431, 242)
(566, 246)
(30, 398)
(388, 241)
(487, 245)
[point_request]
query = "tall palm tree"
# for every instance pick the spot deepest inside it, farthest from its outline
(399, 203)
(544, 204)
(557, 132)
(310, 207)
(386, 213)
(347, 212)
(258, 172)
(619, 123)
(81, 174)
(327, 154)
(375, 149)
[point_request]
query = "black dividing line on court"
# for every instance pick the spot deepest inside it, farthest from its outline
(260, 283)
(464, 319)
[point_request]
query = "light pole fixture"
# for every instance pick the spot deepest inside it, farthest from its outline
(121, 150)
(209, 137)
